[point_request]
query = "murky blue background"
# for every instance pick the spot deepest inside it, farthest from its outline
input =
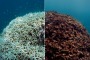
(79, 9)
(10, 9)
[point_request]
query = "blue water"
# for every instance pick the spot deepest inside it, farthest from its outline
(10, 9)
(79, 9)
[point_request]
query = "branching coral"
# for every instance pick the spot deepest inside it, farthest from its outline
(65, 38)
(24, 38)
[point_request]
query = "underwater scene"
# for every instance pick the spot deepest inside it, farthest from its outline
(44, 30)
(79, 9)
(67, 30)
(22, 30)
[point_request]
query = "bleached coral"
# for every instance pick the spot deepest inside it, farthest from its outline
(24, 38)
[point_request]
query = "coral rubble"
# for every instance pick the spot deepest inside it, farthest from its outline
(65, 38)
(24, 38)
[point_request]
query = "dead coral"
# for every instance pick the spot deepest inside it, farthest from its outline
(65, 39)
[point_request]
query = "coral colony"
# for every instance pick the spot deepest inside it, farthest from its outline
(65, 38)
(24, 38)
(44, 36)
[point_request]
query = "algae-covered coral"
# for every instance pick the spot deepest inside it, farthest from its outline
(24, 38)
(65, 38)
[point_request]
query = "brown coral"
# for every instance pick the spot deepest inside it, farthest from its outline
(65, 39)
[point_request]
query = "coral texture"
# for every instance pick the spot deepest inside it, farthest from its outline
(65, 38)
(24, 38)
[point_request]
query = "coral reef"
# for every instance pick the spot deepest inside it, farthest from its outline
(65, 38)
(24, 38)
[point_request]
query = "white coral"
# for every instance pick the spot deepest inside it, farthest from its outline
(22, 34)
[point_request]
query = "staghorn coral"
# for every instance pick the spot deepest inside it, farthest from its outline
(65, 38)
(24, 38)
